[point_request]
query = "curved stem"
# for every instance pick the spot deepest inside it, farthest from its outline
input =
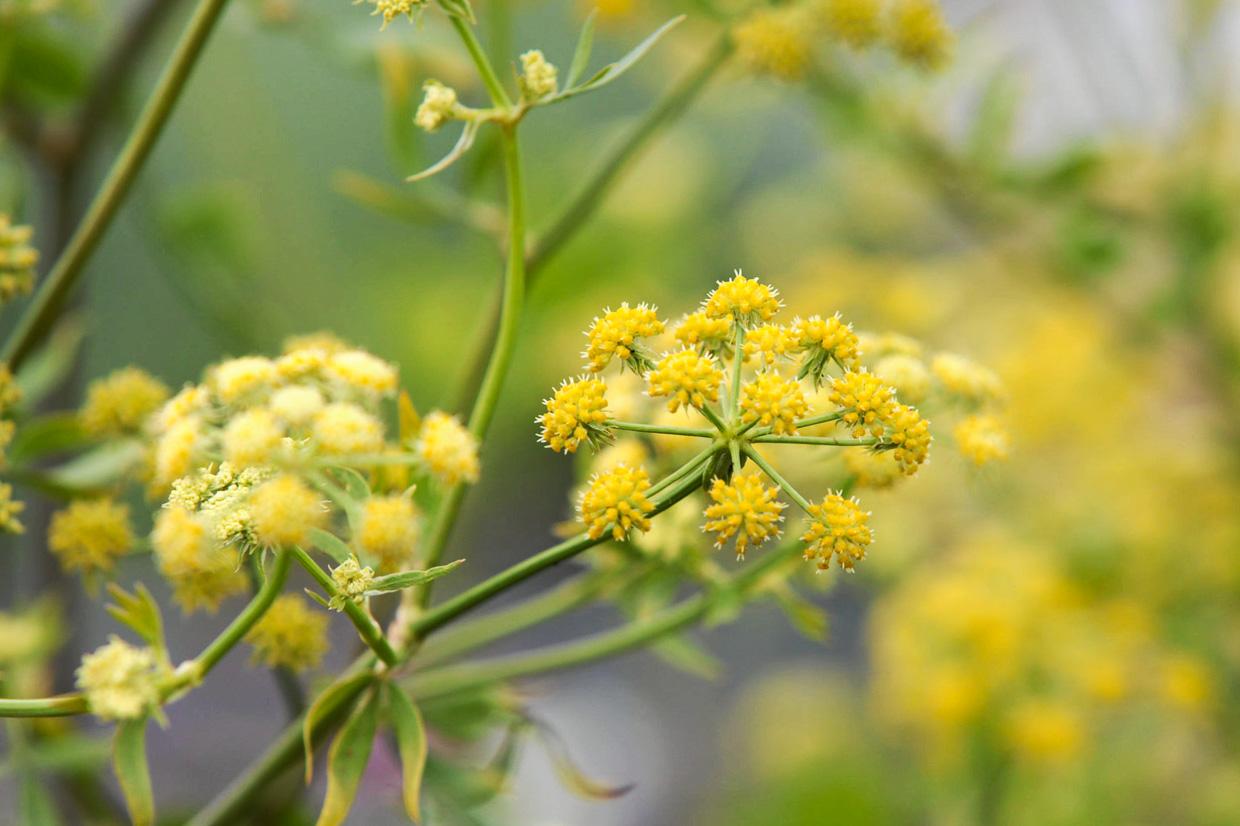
(668, 430)
(495, 89)
(46, 305)
(367, 628)
(244, 621)
(792, 492)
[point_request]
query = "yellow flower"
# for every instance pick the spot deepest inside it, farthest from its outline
(388, 530)
(252, 437)
(1185, 683)
(447, 449)
(344, 428)
(854, 22)
(867, 402)
(17, 259)
(120, 681)
(910, 434)
(284, 510)
(907, 374)
(824, 340)
(918, 34)
(981, 439)
(838, 528)
(306, 361)
(745, 508)
(704, 333)
(687, 378)
(296, 405)
(745, 300)
(322, 341)
(538, 77)
(437, 108)
(773, 401)
(1044, 731)
(121, 402)
(392, 9)
(872, 469)
(966, 378)
(770, 341)
(774, 41)
(202, 573)
(235, 378)
(90, 535)
(10, 393)
(616, 335)
(575, 414)
(190, 401)
(352, 580)
(616, 499)
(361, 370)
(9, 509)
(176, 451)
(291, 634)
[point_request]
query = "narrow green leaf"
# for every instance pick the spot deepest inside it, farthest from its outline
(346, 761)
(330, 544)
(138, 611)
(46, 436)
(458, 151)
(581, 55)
(805, 616)
(323, 705)
(570, 775)
(407, 579)
(685, 654)
(129, 762)
(354, 483)
(612, 71)
(93, 470)
(410, 734)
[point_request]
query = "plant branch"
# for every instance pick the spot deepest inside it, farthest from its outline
(367, 628)
(668, 430)
(828, 441)
(770, 471)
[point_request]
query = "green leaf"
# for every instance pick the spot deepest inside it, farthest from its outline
(804, 615)
(138, 611)
(354, 483)
(324, 705)
(410, 734)
(129, 762)
(459, 8)
(346, 761)
(581, 55)
(683, 653)
(36, 807)
(330, 544)
(458, 151)
(408, 579)
(613, 71)
(92, 471)
(65, 753)
(570, 775)
(46, 436)
(50, 365)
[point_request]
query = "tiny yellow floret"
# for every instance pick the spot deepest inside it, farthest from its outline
(745, 300)
(773, 401)
(867, 402)
(966, 378)
(252, 437)
(616, 500)
(439, 105)
(17, 259)
(838, 529)
(704, 333)
(910, 434)
(352, 580)
(201, 572)
(771, 342)
(745, 508)
(538, 77)
(235, 378)
(362, 371)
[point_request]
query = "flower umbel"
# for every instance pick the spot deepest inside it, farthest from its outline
(744, 508)
(90, 535)
(575, 414)
(616, 500)
(291, 634)
(839, 529)
(617, 334)
(120, 681)
(686, 378)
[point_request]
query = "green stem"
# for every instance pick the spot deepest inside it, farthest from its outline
(495, 89)
(792, 492)
(244, 621)
(461, 678)
(367, 628)
(669, 430)
(582, 207)
(738, 358)
(689, 468)
(46, 305)
(829, 441)
(64, 705)
(484, 591)
(505, 344)
(713, 417)
(823, 419)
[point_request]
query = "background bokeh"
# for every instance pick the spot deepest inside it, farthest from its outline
(1058, 203)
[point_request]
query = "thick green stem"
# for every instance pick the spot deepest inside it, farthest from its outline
(461, 678)
(713, 418)
(792, 492)
(495, 89)
(65, 705)
(367, 628)
(689, 468)
(501, 355)
(48, 301)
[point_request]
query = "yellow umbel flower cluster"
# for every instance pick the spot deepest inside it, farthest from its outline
(918, 34)
(388, 530)
(353, 580)
(120, 681)
(839, 529)
(121, 402)
(856, 23)
(448, 451)
(90, 535)
(744, 508)
(575, 414)
(439, 105)
(686, 378)
(17, 259)
(754, 381)
(284, 510)
(775, 41)
(538, 76)
(617, 334)
(202, 571)
(291, 635)
(981, 439)
(9, 510)
(615, 500)
(389, 10)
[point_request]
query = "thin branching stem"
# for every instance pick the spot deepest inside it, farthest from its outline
(777, 478)
(669, 430)
(367, 628)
